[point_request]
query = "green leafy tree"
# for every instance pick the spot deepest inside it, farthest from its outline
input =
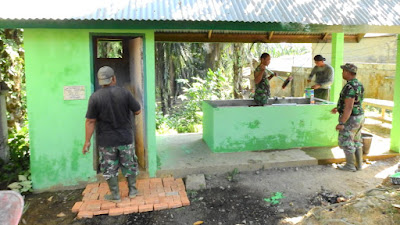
(12, 73)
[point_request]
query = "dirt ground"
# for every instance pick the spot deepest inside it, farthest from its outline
(309, 194)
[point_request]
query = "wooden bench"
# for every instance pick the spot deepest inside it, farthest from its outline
(382, 104)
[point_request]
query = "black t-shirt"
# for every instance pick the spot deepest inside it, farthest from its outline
(112, 108)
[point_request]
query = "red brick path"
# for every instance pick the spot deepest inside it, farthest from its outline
(154, 194)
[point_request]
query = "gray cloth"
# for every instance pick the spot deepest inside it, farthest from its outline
(324, 76)
(111, 107)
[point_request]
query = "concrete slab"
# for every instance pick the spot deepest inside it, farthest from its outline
(195, 182)
(184, 154)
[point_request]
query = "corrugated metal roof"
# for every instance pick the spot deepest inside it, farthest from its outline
(325, 12)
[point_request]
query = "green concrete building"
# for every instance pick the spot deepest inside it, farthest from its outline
(62, 59)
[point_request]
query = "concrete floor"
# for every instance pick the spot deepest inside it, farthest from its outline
(183, 154)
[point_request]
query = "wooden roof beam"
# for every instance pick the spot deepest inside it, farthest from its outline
(245, 38)
(325, 36)
(360, 36)
(209, 34)
(270, 34)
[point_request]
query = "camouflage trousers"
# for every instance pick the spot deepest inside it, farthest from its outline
(113, 158)
(350, 137)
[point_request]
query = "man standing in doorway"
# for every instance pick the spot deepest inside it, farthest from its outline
(351, 118)
(110, 111)
(324, 78)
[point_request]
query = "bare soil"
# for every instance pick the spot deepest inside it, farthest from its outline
(310, 194)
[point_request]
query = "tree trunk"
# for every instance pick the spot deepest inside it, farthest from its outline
(212, 56)
(237, 70)
(160, 52)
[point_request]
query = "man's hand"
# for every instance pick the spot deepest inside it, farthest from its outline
(334, 110)
(316, 86)
(86, 147)
(339, 127)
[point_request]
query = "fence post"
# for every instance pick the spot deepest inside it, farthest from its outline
(4, 151)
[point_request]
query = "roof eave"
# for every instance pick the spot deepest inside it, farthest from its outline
(197, 25)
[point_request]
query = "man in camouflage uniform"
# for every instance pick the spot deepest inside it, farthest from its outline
(261, 78)
(110, 110)
(351, 118)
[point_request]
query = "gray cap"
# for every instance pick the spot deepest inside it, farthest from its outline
(349, 67)
(104, 75)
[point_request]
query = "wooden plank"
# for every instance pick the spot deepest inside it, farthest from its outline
(379, 103)
(379, 118)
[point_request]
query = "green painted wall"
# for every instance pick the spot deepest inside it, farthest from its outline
(395, 132)
(234, 129)
(337, 61)
(56, 58)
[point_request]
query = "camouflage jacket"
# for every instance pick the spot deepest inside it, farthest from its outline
(352, 89)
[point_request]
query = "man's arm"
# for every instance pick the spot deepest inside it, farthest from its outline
(313, 71)
(89, 129)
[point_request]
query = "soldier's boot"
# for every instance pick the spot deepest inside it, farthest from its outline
(359, 158)
(349, 166)
(114, 188)
(132, 186)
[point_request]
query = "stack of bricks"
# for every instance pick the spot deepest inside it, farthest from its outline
(153, 194)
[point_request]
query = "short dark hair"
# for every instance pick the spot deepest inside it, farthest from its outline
(264, 55)
(319, 58)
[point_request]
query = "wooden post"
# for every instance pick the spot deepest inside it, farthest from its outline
(4, 151)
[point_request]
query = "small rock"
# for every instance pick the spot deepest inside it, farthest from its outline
(297, 168)
(222, 188)
(61, 214)
(201, 198)
(49, 199)
(229, 186)
(219, 223)
(172, 216)
(257, 172)
(281, 210)
(244, 221)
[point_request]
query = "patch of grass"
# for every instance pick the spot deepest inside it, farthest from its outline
(191, 193)
(275, 198)
(232, 175)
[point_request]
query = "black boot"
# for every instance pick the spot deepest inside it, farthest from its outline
(114, 188)
(359, 158)
(132, 186)
(349, 163)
